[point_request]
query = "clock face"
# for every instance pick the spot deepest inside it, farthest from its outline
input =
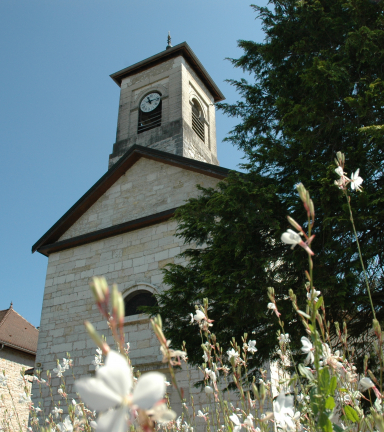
(150, 102)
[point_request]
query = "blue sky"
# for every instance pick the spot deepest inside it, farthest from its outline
(58, 105)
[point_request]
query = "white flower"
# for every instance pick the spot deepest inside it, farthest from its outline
(56, 411)
(249, 421)
(284, 338)
(93, 424)
(271, 306)
(205, 356)
(366, 383)
(232, 353)
(66, 363)
(251, 346)
(283, 412)
(199, 316)
(208, 390)
(307, 348)
(37, 409)
(210, 374)
(236, 422)
(202, 415)
(291, 237)
(59, 370)
(330, 359)
(60, 391)
(112, 388)
(313, 295)
(66, 426)
(339, 171)
(24, 398)
(161, 414)
(356, 181)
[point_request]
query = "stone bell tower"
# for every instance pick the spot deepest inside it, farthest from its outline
(167, 103)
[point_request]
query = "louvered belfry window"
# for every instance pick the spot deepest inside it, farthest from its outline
(197, 123)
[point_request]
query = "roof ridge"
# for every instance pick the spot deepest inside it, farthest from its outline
(23, 318)
(5, 316)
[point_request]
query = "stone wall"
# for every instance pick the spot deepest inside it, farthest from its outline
(148, 187)
(12, 361)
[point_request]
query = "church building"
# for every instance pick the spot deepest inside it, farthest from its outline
(121, 228)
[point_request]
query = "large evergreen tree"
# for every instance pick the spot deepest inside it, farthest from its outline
(316, 87)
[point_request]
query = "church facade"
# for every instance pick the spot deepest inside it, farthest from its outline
(121, 228)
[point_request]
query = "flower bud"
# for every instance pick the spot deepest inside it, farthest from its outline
(255, 391)
(302, 192)
(377, 328)
(294, 223)
(312, 209)
(120, 308)
(96, 338)
(114, 300)
(99, 288)
(262, 391)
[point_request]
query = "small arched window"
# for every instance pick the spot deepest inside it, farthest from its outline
(150, 110)
(197, 120)
(135, 300)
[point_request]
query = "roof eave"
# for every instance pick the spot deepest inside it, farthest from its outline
(17, 347)
(106, 181)
(181, 49)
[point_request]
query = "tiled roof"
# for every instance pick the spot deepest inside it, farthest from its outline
(17, 332)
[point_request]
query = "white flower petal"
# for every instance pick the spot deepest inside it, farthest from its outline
(199, 315)
(235, 419)
(96, 394)
(290, 237)
(116, 374)
(208, 390)
(113, 421)
(150, 389)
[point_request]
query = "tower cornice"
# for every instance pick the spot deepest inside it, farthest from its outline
(182, 49)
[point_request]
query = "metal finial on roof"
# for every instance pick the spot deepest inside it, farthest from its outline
(11, 305)
(169, 45)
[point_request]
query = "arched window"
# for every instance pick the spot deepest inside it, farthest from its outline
(135, 300)
(150, 109)
(197, 120)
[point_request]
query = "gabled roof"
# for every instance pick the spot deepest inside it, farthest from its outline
(182, 49)
(46, 244)
(16, 332)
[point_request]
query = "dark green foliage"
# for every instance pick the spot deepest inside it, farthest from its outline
(316, 88)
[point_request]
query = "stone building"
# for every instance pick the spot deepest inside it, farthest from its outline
(121, 227)
(18, 346)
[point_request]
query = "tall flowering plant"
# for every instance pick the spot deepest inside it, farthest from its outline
(316, 388)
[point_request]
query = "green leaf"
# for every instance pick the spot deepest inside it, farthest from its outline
(305, 372)
(332, 386)
(325, 423)
(337, 428)
(351, 414)
(319, 303)
(330, 403)
(324, 381)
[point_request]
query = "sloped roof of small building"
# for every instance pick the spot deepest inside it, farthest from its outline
(16, 332)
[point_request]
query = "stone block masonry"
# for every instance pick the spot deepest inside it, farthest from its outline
(148, 187)
(130, 260)
(12, 362)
